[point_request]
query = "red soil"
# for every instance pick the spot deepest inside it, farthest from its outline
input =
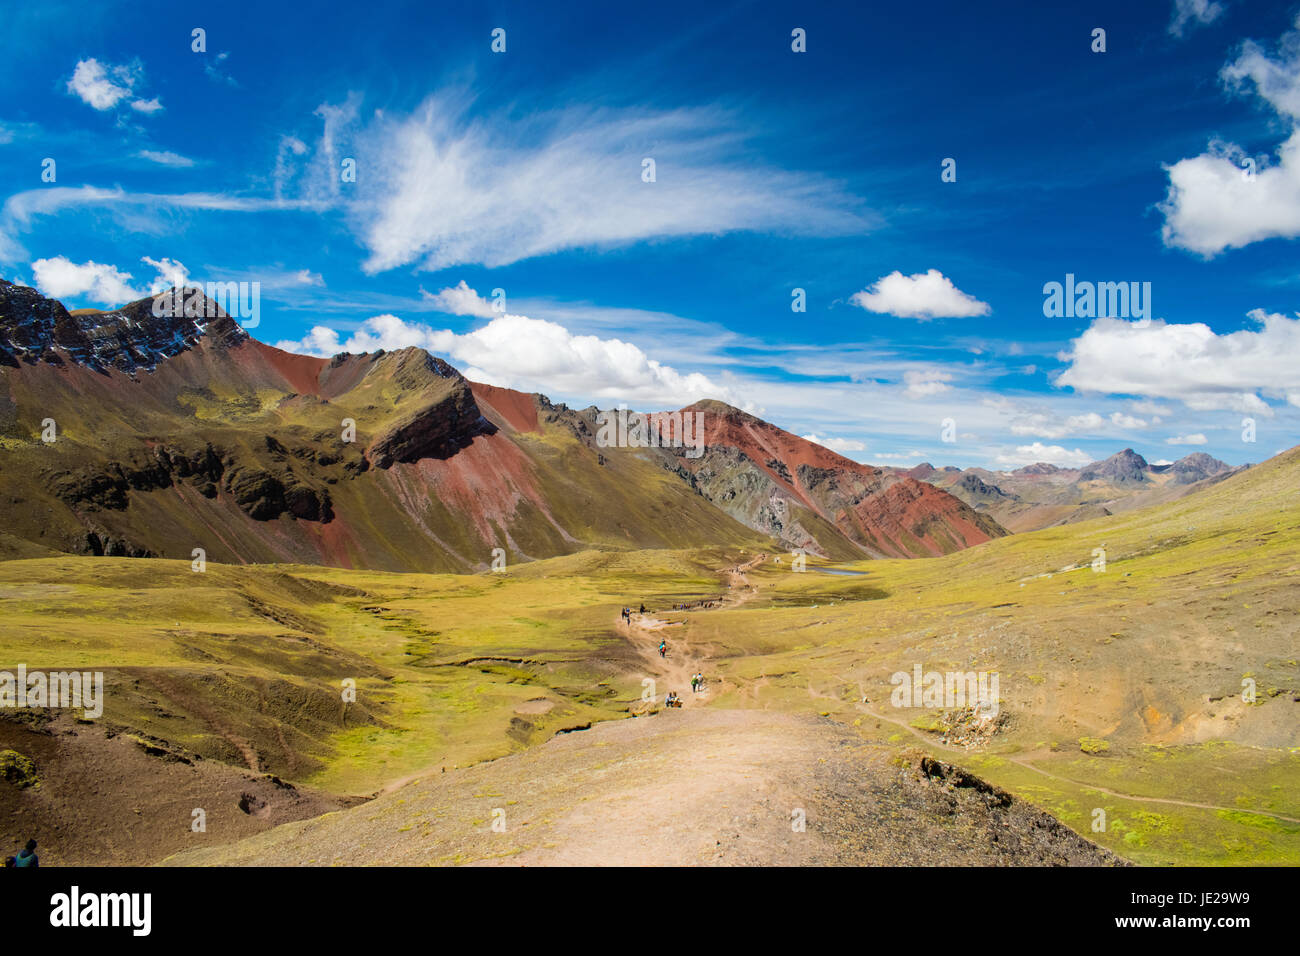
(301, 373)
(516, 409)
(884, 519)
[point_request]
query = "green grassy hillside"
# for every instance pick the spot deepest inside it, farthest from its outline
(1120, 690)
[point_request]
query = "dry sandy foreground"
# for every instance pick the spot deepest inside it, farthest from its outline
(687, 787)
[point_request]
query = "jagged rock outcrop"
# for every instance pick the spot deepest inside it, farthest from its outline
(36, 329)
(438, 430)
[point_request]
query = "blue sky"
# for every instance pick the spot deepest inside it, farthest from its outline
(1171, 158)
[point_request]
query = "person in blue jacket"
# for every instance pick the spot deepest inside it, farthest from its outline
(27, 855)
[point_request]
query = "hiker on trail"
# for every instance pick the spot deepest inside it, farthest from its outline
(694, 681)
(642, 608)
(663, 647)
(698, 682)
(27, 855)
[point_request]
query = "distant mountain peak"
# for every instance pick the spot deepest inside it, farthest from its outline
(1121, 467)
(35, 328)
(1037, 468)
(1196, 467)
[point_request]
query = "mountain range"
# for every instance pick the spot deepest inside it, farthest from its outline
(126, 433)
(1040, 495)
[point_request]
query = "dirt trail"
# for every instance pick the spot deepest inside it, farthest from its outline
(738, 582)
(706, 786)
(674, 670)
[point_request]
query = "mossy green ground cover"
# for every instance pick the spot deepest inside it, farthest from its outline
(1147, 657)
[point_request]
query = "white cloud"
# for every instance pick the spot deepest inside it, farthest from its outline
(1144, 407)
(534, 355)
(1162, 461)
(165, 158)
(840, 445)
(303, 277)
(285, 168)
(925, 295)
(1212, 205)
(1188, 362)
(1126, 421)
(902, 456)
(1193, 12)
(924, 383)
(460, 299)
(1214, 202)
(100, 86)
(61, 278)
(1276, 80)
(1046, 425)
(22, 208)
(1051, 454)
(441, 189)
(1196, 439)
(171, 274)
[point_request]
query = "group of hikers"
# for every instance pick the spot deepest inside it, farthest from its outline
(26, 857)
(697, 680)
(674, 700)
(628, 612)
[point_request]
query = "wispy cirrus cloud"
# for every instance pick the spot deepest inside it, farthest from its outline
(441, 188)
(1193, 13)
(925, 382)
(135, 210)
(23, 207)
(164, 157)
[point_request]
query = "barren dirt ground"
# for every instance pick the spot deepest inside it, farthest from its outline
(683, 787)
